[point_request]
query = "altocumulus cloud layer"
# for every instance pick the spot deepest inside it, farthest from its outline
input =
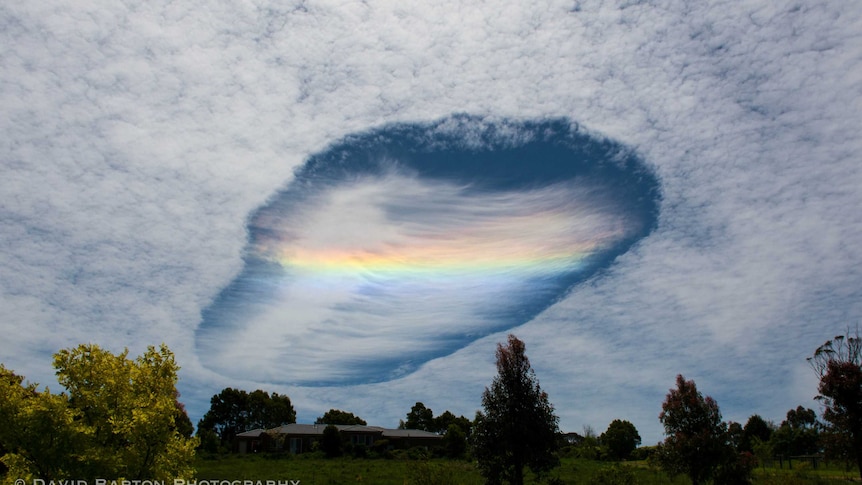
(409, 243)
(143, 145)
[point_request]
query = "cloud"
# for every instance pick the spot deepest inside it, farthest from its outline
(138, 141)
(404, 245)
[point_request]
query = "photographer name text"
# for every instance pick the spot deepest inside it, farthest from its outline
(178, 481)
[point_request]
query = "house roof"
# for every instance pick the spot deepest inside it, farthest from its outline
(409, 433)
(317, 429)
(255, 433)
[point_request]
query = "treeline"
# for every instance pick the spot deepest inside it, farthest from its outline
(121, 417)
(698, 442)
(234, 411)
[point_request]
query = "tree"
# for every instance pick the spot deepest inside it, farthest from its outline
(337, 416)
(37, 430)
(234, 411)
(734, 435)
(182, 422)
(442, 423)
(518, 427)
(226, 416)
(267, 411)
(330, 442)
(838, 363)
(588, 447)
(419, 417)
(621, 439)
(696, 437)
(117, 419)
(755, 429)
(799, 434)
(455, 441)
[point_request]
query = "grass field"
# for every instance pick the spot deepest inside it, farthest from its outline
(322, 471)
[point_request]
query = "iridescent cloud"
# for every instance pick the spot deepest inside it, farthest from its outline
(401, 245)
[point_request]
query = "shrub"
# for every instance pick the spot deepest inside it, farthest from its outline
(425, 473)
(616, 475)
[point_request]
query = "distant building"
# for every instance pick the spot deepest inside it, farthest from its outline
(299, 438)
(573, 438)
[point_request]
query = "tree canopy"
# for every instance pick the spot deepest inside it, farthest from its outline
(696, 442)
(117, 419)
(330, 443)
(838, 363)
(797, 435)
(755, 429)
(621, 439)
(234, 411)
(337, 416)
(517, 427)
(419, 417)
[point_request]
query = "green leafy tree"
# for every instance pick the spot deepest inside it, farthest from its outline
(117, 419)
(621, 439)
(797, 435)
(337, 416)
(756, 428)
(330, 442)
(234, 411)
(227, 415)
(518, 427)
(838, 363)
(267, 411)
(37, 430)
(696, 443)
(445, 420)
(455, 441)
(419, 417)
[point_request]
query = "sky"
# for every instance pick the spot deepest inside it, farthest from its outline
(352, 203)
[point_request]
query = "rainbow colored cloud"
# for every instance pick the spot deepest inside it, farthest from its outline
(405, 244)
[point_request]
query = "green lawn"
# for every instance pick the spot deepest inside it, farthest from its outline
(322, 471)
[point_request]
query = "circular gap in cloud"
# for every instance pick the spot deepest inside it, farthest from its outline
(407, 243)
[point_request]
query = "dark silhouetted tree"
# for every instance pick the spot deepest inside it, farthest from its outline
(755, 429)
(267, 411)
(337, 416)
(696, 443)
(234, 411)
(621, 439)
(182, 423)
(419, 417)
(455, 441)
(330, 442)
(518, 427)
(838, 363)
(226, 416)
(799, 434)
(442, 423)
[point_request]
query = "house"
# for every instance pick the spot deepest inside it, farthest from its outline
(250, 441)
(573, 438)
(299, 438)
